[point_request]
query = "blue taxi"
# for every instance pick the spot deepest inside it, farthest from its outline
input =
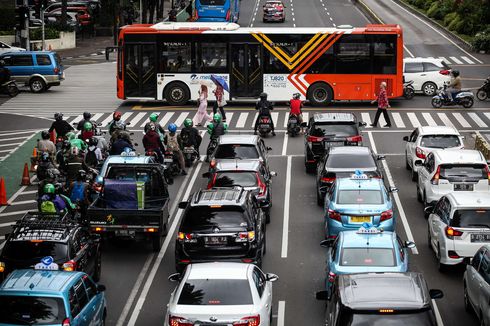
(359, 199)
(47, 296)
(367, 250)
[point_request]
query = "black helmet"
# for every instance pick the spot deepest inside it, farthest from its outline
(93, 141)
(455, 73)
(87, 115)
(58, 116)
(296, 96)
(45, 134)
(263, 95)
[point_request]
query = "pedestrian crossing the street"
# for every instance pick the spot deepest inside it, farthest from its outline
(246, 120)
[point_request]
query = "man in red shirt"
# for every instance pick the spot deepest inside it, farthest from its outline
(383, 104)
(295, 105)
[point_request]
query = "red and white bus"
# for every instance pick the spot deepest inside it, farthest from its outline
(169, 61)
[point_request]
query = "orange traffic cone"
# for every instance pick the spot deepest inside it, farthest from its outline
(34, 160)
(52, 136)
(26, 180)
(3, 193)
(34, 152)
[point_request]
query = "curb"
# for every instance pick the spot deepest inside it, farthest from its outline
(368, 12)
(482, 145)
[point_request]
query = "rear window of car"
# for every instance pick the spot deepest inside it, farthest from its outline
(367, 257)
(440, 141)
(230, 179)
(239, 151)
(423, 317)
(472, 218)
(216, 292)
(414, 67)
(350, 161)
(463, 172)
(199, 217)
(128, 174)
(361, 197)
(34, 250)
(30, 310)
(334, 129)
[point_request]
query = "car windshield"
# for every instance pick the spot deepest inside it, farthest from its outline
(463, 172)
(230, 179)
(230, 151)
(216, 292)
(200, 217)
(403, 318)
(338, 129)
(361, 197)
(471, 218)
(440, 141)
(29, 310)
(367, 257)
(351, 161)
(29, 250)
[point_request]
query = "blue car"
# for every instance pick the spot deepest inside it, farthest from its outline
(366, 250)
(51, 297)
(350, 202)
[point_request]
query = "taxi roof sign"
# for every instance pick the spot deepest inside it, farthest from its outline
(47, 263)
(359, 175)
(368, 228)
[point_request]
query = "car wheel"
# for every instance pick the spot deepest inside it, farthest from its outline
(413, 174)
(407, 166)
(37, 85)
(98, 268)
(429, 89)
(440, 266)
(466, 299)
(419, 196)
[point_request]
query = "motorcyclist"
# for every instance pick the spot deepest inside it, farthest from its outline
(215, 129)
(46, 145)
(295, 105)
(44, 165)
(4, 73)
(60, 126)
(76, 142)
(88, 131)
(264, 107)
(50, 201)
(190, 136)
(454, 86)
(52, 176)
(173, 143)
(153, 143)
(86, 118)
(74, 164)
(120, 144)
(93, 155)
(78, 191)
(153, 121)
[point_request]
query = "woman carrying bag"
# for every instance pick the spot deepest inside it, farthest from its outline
(202, 113)
(220, 101)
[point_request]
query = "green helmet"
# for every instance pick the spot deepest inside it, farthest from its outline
(87, 126)
(70, 136)
(217, 117)
(188, 122)
(153, 117)
(49, 188)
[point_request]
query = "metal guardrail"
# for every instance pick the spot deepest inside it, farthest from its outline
(482, 145)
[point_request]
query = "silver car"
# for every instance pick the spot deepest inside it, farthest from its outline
(476, 285)
(221, 293)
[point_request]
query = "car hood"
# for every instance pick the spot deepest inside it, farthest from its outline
(205, 312)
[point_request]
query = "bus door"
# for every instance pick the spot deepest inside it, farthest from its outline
(246, 70)
(139, 70)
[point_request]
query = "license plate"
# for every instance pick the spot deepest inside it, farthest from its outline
(168, 160)
(463, 187)
(334, 143)
(215, 240)
(125, 232)
(188, 150)
(480, 237)
(360, 219)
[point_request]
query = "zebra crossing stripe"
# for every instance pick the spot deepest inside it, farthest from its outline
(126, 116)
(229, 117)
(77, 119)
(398, 120)
(477, 120)
(97, 116)
(181, 118)
(166, 118)
(444, 59)
(445, 119)
(456, 60)
(275, 117)
(468, 60)
(462, 121)
(242, 119)
(286, 118)
(429, 119)
(106, 121)
(137, 118)
(366, 118)
(487, 115)
(413, 119)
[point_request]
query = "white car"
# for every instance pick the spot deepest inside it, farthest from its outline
(428, 74)
(426, 139)
(221, 293)
(459, 224)
(476, 285)
(445, 171)
(4, 48)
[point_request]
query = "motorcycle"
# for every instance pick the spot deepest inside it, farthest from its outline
(171, 163)
(293, 125)
(190, 155)
(464, 98)
(264, 126)
(10, 88)
(213, 143)
(408, 90)
(483, 92)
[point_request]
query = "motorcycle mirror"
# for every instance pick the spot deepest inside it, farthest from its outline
(131, 133)
(268, 148)
(99, 124)
(136, 144)
(405, 138)
(206, 175)
(273, 174)
(128, 123)
(362, 124)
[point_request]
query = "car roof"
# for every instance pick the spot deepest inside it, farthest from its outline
(128, 159)
(334, 116)
(237, 165)
(238, 139)
(29, 52)
(352, 239)
(438, 130)
(384, 290)
(459, 156)
(363, 184)
(421, 59)
(469, 199)
(354, 150)
(39, 280)
(219, 196)
(218, 270)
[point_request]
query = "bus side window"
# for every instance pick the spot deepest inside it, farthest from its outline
(213, 57)
(178, 55)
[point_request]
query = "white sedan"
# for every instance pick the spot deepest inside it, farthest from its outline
(221, 293)
(4, 48)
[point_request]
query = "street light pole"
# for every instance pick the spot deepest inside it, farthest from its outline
(43, 46)
(28, 41)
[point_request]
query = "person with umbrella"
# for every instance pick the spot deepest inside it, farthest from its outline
(221, 86)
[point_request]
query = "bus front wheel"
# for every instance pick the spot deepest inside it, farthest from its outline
(320, 94)
(177, 93)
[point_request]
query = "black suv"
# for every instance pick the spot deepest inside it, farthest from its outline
(380, 299)
(219, 225)
(38, 235)
(329, 129)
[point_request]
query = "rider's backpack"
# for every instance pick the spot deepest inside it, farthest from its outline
(77, 192)
(91, 157)
(172, 143)
(185, 135)
(48, 206)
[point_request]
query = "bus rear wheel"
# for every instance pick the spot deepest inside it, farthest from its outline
(320, 94)
(177, 94)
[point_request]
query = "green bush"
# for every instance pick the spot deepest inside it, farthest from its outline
(420, 3)
(428, 3)
(481, 41)
(49, 33)
(453, 23)
(449, 18)
(439, 10)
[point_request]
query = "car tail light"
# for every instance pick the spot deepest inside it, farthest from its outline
(66, 322)
(450, 232)
(151, 230)
(354, 139)
(334, 215)
(488, 173)
(248, 321)
(245, 236)
(98, 229)
(70, 266)
(228, 15)
(444, 72)
(452, 254)
(179, 321)
(186, 237)
(331, 277)
(328, 180)
(420, 153)
(386, 215)
(212, 182)
(435, 178)
(97, 187)
(314, 139)
(56, 70)
(262, 186)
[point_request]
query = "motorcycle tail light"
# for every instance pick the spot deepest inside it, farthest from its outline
(56, 70)
(331, 277)
(66, 322)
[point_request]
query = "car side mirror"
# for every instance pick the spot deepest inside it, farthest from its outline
(405, 138)
(100, 288)
(463, 137)
(327, 243)
(322, 295)
(271, 277)
(419, 163)
(467, 260)
(428, 210)
(362, 124)
(273, 174)
(268, 148)
(183, 204)
(174, 277)
(436, 294)
(381, 157)
(393, 189)
(409, 244)
(206, 175)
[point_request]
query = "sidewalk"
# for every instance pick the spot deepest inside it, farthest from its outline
(89, 46)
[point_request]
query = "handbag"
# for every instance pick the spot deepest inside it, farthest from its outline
(222, 103)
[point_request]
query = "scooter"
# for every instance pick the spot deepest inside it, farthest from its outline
(464, 98)
(264, 126)
(483, 92)
(10, 88)
(408, 90)
(293, 125)
(171, 163)
(190, 155)
(213, 143)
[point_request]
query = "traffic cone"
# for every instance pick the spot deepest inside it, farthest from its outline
(26, 180)
(3, 193)
(52, 136)
(34, 160)
(34, 152)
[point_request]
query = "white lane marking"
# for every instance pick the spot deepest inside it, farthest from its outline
(462, 121)
(286, 118)
(137, 118)
(106, 120)
(398, 202)
(413, 119)
(408, 51)
(29, 192)
(10, 144)
(77, 119)
(275, 117)
(285, 227)
(445, 119)
(229, 117)
(366, 118)
(166, 118)
(382, 120)
(4, 225)
(256, 7)
(429, 119)
(5, 150)
(181, 118)
(398, 120)
(97, 116)
(14, 213)
(477, 120)
(13, 150)
(23, 202)
(16, 194)
(437, 313)
(306, 116)
(467, 60)
(161, 254)
(125, 116)
(12, 138)
(285, 144)
(456, 60)
(438, 32)
(487, 115)
(281, 312)
(444, 59)
(242, 119)
(255, 119)
(16, 133)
